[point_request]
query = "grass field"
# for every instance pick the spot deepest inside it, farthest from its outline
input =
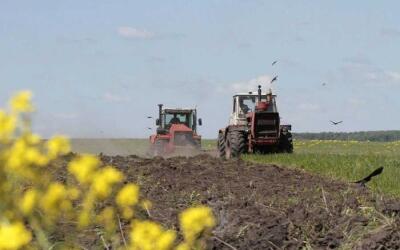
(344, 160)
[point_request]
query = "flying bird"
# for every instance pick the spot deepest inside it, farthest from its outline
(274, 79)
(376, 172)
(149, 117)
(274, 63)
(324, 84)
(336, 123)
(149, 128)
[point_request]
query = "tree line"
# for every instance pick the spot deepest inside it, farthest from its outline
(380, 136)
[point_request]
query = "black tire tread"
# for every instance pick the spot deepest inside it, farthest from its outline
(286, 143)
(221, 145)
(238, 143)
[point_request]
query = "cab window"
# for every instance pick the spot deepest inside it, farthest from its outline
(247, 103)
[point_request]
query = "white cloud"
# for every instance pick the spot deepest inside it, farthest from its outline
(250, 85)
(367, 73)
(394, 76)
(109, 97)
(134, 33)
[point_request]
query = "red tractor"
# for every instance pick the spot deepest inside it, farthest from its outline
(254, 126)
(176, 131)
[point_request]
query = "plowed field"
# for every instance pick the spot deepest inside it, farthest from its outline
(265, 206)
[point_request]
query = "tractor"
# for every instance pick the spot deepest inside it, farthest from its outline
(254, 127)
(176, 131)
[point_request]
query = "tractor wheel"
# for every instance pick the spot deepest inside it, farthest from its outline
(221, 145)
(236, 144)
(286, 143)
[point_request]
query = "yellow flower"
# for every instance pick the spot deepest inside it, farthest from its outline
(107, 218)
(103, 181)
(73, 193)
(32, 139)
(55, 199)
(146, 204)
(127, 213)
(58, 145)
(83, 168)
(128, 195)
(84, 219)
(33, 156)
(15, 159)
(28, 201)
(21, 102)
(8, 124)
(183, 246)
(148, 235)
(21, 155)
(196, 220)
(14, 236)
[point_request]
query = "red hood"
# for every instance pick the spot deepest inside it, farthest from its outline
(180, 128)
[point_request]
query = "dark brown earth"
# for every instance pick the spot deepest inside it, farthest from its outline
(265, 206)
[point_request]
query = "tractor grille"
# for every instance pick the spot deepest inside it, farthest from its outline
(183, 138)
(267, 125)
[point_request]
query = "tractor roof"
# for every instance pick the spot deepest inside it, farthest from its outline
(179, 110)
(249, 94)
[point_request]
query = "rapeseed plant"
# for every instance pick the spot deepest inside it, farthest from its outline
(14, 235)
(148, 235)
(196, 221)
(33, 201)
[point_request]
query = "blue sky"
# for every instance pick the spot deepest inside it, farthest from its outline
(98, 68)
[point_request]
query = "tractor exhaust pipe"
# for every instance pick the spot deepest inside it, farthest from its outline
(261, 105)
(259, 93)
(160, 113)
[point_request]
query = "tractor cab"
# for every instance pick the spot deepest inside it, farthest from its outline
(178, 116)
(244, 104)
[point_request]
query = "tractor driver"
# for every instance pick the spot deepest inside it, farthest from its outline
(175, 120)
(243, 106)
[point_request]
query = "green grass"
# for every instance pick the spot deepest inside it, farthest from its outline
(208, 144)
(344, 160)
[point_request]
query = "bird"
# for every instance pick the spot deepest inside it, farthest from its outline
(149, 128)
(274, 79)
(274, 62)
(376, 172)
(324, 84)
(336, 123)
(149, 117)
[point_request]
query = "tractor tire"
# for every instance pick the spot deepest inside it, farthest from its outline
(236, 144)
(286, 143)
(221, 145)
